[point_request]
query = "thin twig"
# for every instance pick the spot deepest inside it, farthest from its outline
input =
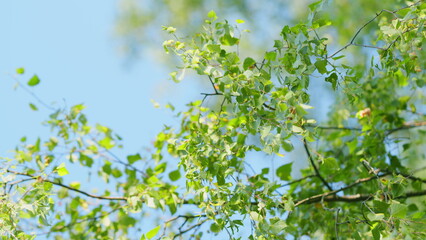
(34, 95)
(190, 228)
(336, 227)
(212, 94)
(318, 197)
(39, 178)
(54, 229)
(305, 144)
(355, 198)
(388, 131)
(299, 180)
(214, 86)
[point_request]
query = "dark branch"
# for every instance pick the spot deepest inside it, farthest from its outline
(331, 197)
(361, 197)
(305, 144)
(334, 128)
(317, 198)
(269, 107)
(181, 232)
(406, 126)
(214, 86)
(212, 94)
(299, 180)
(38, 178)
(388, 132)
(59, 228)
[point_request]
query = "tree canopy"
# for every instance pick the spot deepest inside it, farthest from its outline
(228, 167)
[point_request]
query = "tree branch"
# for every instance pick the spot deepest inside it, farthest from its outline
(318, 197)
(181, 232)
(388, 131)
(331, 197)
(59, 228)
(299, 180)
(39, 178)
(359, 197)
(212, 83)
(305, 144)
(406, 126)
(212, 94)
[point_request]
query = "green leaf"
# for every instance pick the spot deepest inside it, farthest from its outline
(284, 172)
(376, 232)
(356, 236)
(47, 186)
(153, 232)
(107, 168)
(375, 216)
(85, 160)
(106, 143)
(160, 168)
(330, 165)
(20, 70)
(33, 107)
(297, 129)
(75, 185)
(33, 81)
(228, 40)
(278, 44)
(332, 79)
(212, 15)
(239, 21)
(264, 132)
(61, 170)
(315, 5)
(398, 210)
(214, 48)
(287, 146)
(133, 158)
(248, 63)
(271, 56)
(116, 173)
(174, 175)
(215, 228)
(321, 66)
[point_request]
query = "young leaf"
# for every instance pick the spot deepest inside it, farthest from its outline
(33, 107)
(321, 66)
(153, 232)
(62, 171)
(33, 81)
(174, 175)
(133, 158)
(284, 172)
(248, 63)
(20, 70)
(212, 15)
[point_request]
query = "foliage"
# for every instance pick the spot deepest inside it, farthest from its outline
(364, 179)
(138, 20)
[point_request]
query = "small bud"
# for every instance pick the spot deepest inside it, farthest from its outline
(366, 112)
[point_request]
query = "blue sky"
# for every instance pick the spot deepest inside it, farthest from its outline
(71, 46)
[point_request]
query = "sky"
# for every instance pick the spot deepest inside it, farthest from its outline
(72, 47)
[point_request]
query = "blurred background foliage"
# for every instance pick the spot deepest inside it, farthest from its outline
(138, 21)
